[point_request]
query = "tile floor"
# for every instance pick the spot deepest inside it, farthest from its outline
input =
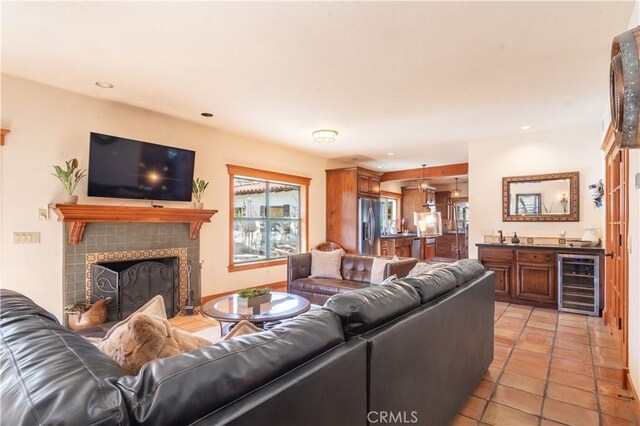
(550, 368)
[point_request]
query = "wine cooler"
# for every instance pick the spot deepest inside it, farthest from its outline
(579, 284)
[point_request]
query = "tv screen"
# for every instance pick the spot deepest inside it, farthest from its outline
(125, 168)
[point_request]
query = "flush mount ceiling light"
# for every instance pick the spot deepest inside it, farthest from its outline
(456, 192)
(206, 114)
(424, 183)
(391, 153)
(525, 127)
(104, 84)
(324, 136)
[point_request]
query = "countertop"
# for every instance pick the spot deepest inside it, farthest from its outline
(543, 247)
(401, 235)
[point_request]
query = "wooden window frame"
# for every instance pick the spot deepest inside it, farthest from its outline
(250, 173)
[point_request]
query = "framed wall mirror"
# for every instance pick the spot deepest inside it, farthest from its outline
(552, 197)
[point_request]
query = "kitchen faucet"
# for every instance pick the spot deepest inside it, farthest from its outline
(502, 239)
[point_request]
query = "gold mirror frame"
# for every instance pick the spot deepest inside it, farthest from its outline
(574, 197)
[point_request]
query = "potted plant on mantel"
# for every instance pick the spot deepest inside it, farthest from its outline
(198, 188)
(252, 297)
(70, 178)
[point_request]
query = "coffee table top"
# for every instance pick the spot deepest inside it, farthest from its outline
(281, 306)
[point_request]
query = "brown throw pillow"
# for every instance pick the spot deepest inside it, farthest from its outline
(242, 328)
(148, 338)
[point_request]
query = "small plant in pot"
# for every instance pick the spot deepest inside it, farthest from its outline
(198, 188)
(70, 178)
(252, 297)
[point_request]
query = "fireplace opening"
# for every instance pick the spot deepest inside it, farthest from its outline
(132, 283)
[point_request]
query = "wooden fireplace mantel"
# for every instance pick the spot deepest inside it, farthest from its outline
(81, 214)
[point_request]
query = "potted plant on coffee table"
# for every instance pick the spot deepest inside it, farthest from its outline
(70, 178)
(251, 297)
(198, 188)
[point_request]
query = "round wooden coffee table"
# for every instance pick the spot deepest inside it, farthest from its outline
(225, 309)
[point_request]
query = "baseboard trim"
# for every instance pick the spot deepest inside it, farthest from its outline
(630, 387)
(272, 286)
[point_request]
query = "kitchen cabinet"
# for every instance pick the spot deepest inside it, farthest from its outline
(368, 184)
(429, 249)
(446, 245)
(527, 274)
(396, 246)
(443, 204)
(413, 201)
(343, 189)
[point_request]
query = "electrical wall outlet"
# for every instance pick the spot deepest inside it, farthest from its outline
(26, 238)
(529, 240)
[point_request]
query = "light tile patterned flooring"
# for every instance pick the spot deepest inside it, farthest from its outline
(550, 368)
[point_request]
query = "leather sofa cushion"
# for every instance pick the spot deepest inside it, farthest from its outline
(364, 309)
(356, 268)
(328, 286)
(207, 379)
(50, 374)
(431, 284)
(466, 270)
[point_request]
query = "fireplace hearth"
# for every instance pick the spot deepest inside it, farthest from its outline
(132, 283)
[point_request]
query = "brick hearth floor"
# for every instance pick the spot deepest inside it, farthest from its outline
(549, 368)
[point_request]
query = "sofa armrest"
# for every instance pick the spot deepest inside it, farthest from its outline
(298, 266)
(401, 268)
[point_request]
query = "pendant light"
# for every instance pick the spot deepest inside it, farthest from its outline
(456, 192)
(424, 183)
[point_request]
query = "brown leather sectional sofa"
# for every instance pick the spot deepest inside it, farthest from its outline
(355, 271)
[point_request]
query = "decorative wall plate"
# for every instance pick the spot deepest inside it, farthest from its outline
(624, 86)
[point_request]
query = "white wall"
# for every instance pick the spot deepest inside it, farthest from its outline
(49, 125)
(565, 150)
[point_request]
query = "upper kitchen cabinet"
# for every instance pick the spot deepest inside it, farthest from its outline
(368, 183)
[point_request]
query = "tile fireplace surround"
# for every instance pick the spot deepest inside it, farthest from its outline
(116, 241)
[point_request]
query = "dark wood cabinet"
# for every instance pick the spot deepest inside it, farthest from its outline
(344, 187)
(504, 276)
(526, 275)
(429, 250)
(446, 246)
(396, 246)
(368, 185)
(536, 276)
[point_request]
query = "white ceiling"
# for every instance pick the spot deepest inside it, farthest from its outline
(421, 80)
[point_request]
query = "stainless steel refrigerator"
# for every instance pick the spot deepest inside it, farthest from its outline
(369, 226)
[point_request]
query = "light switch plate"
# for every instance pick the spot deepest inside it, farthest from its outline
(637, 180)
(26, 238)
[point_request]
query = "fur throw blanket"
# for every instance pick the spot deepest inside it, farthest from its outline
(148, 338)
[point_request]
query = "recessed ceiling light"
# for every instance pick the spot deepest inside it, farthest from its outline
(104, 84)
(379, 167)
(391, 153)
(206, 114)
(525, 127)
(324, 136)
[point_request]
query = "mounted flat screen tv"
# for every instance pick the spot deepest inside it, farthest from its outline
(125, 168)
